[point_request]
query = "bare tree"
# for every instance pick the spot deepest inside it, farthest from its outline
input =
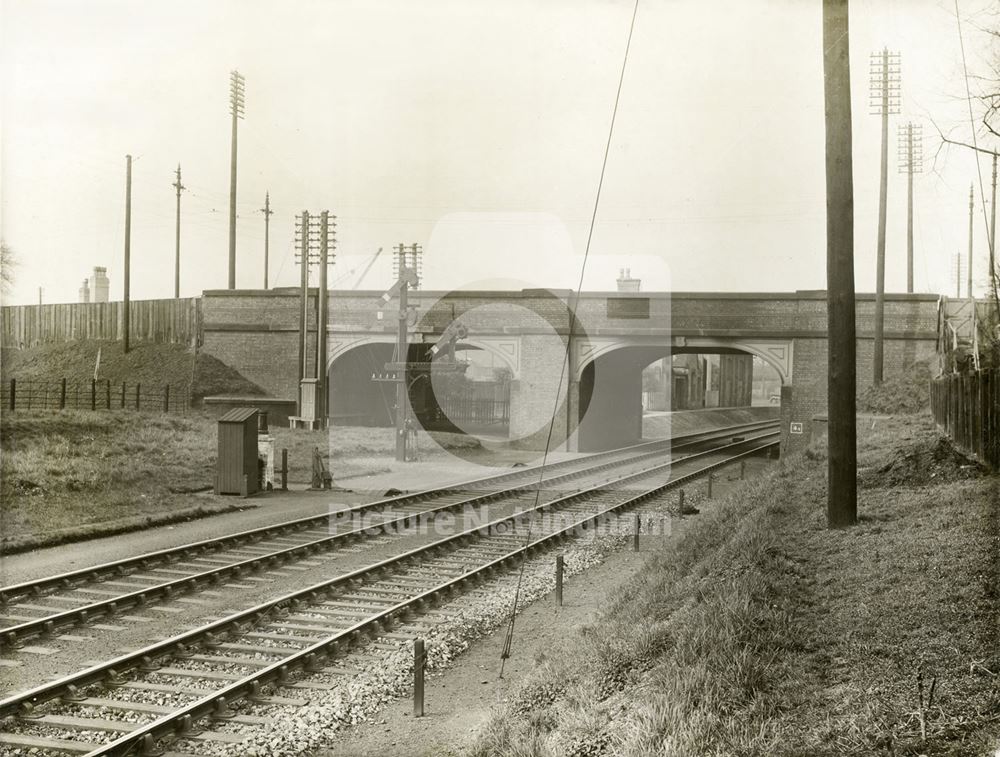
(8, 262)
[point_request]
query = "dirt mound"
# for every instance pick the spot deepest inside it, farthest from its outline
(930, 461)
(213, 377)
(196, 375)
(906, 393)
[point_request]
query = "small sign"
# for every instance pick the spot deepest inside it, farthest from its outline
(796, 428)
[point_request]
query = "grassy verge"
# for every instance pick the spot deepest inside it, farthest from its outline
(73, 474)
(763, 633)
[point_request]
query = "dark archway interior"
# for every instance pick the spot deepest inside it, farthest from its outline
(355, 399)
(612, 387)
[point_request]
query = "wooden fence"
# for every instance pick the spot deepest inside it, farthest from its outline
(164, 321)
(102, 394)
(967, 407)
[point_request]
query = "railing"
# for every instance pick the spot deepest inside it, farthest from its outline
(102, 394)
(472, 410)
(967, 407)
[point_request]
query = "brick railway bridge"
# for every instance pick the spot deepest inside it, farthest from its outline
(612, 336)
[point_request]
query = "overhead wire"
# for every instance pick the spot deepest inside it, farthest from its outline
(575, 298)
(979, 170)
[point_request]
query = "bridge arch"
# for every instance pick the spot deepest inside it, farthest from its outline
(778, 353)
(610, 384)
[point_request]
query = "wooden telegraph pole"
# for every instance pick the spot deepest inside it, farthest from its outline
(993, 234)
(884, 99)
(266, 210)
(910, 162)
(327, 240)
(304, 287)
(128, 254)
(237, 91)
(177, 235)
(402, 403)
(968, 272)
(842, 506)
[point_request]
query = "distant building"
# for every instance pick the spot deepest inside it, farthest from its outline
(626, 283)
(99, 284)
(85, 291)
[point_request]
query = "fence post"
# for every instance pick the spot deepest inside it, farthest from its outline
(13, 393)
(419, 658)
(559, 580)
(680, 503)
(635, 537)
(93, 394)
(62, 394)
(107, 386)
(284, 470)
(166, 398)
(137, 404)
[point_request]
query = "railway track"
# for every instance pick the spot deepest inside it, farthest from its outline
(45, 607)
(116, 707)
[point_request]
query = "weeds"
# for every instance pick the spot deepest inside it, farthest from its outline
(760, 632)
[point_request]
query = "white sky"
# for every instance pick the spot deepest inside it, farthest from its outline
(475, 128)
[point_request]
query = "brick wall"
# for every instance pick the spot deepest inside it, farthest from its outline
(257, 333)
(810, 376)
(533, 395)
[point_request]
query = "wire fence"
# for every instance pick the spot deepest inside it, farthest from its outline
(967, 407)
(100, 394)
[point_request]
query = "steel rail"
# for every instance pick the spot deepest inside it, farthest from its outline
(179, 723)
(120, 568)
(13, 636)
(109, 672)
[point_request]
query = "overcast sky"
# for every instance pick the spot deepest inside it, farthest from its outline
(476, 129)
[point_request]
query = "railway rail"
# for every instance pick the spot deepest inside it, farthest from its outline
(38, 608)
(210, 668)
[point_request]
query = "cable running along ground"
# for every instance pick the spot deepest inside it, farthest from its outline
(509, 638)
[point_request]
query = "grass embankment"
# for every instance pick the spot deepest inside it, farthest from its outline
(73, 474)
(79, 473)
(763, 633)
(193, 375)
